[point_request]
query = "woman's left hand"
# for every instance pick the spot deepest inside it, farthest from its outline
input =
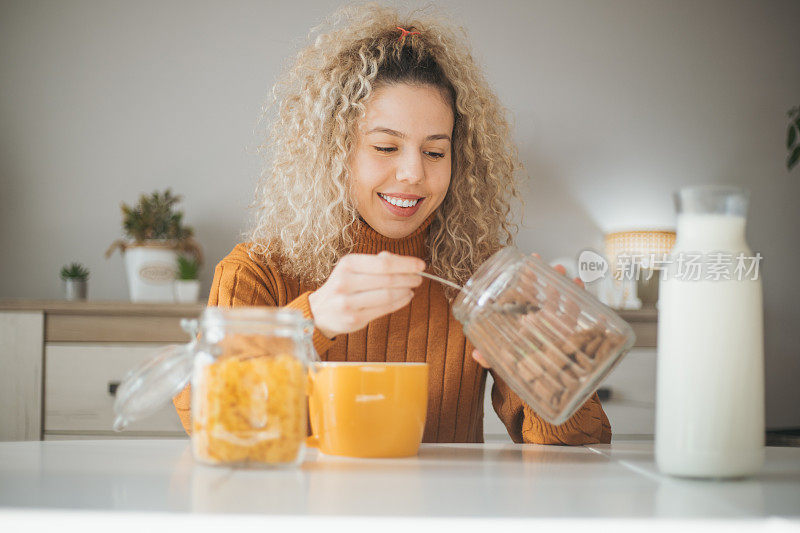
(560, 269)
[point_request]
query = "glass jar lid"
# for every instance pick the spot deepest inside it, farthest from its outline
(216, 322)
(148, 387)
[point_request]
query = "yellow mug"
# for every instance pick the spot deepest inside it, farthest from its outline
(367, 409)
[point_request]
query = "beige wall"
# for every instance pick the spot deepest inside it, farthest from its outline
(616, 104)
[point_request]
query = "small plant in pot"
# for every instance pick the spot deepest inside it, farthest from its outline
(187, 286)
(75, 278)
(156, 236)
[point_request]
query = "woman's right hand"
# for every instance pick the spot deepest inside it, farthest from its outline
(363, 287)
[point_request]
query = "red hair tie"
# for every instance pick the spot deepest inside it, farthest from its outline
(406, 32)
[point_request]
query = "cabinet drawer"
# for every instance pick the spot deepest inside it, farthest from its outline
(634, 378)
(77, 397)
(629, 418)
(493, 428)
(632, 388)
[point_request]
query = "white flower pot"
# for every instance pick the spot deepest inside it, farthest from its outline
(75, 289)
(151, 271)
(186, 290)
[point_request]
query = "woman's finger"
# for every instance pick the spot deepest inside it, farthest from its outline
(479, 359)
(383, 263)
(357, 282)
(563, 271)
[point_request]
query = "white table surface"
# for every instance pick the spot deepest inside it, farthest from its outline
(453, 480)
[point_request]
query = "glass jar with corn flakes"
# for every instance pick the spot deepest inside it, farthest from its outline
(248, 373)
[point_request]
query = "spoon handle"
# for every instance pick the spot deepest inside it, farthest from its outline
(440, 280)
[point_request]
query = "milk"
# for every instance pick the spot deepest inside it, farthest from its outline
(710, 384)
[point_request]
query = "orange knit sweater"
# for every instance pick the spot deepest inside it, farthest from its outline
(425, 330)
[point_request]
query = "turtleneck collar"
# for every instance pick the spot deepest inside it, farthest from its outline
(369, 241)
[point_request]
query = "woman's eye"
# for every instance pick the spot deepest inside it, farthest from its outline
(385, 149)
(435, 155)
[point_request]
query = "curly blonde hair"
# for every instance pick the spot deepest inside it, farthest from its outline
(304, 208)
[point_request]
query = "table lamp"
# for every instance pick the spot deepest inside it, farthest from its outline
(638, 250)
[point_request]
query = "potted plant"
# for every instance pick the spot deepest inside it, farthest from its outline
(187, 286)
(793, 137)
(75, 276)
(155, 236)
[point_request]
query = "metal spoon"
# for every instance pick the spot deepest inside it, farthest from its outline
(511, 308)
(441, 280)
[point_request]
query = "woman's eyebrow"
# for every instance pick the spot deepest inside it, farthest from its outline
(395, 133)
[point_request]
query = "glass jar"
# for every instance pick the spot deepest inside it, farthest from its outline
(550, 340)
(248, 370)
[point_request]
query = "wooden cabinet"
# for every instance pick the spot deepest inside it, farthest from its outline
(21, 368)
(62, 360)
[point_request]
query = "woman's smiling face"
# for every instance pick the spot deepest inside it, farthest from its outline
(401, 162)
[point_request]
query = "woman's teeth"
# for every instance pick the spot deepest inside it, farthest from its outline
(399, 201)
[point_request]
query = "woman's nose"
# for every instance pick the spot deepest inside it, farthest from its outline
(410, 168)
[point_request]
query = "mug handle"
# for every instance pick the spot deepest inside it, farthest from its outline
(312, 440)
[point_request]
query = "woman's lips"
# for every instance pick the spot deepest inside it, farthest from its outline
(401, 211)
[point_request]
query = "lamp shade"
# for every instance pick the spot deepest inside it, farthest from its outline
(640, 247)
(638, 243)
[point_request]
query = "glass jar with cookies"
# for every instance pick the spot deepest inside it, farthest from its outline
(551, 341)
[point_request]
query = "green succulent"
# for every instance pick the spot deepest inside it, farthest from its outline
(793, 137)
(154, 217)
(187, 268)
(74, 271)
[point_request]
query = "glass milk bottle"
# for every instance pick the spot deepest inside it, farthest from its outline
(710, 385)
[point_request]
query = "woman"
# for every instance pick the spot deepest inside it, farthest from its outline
(389, 155)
